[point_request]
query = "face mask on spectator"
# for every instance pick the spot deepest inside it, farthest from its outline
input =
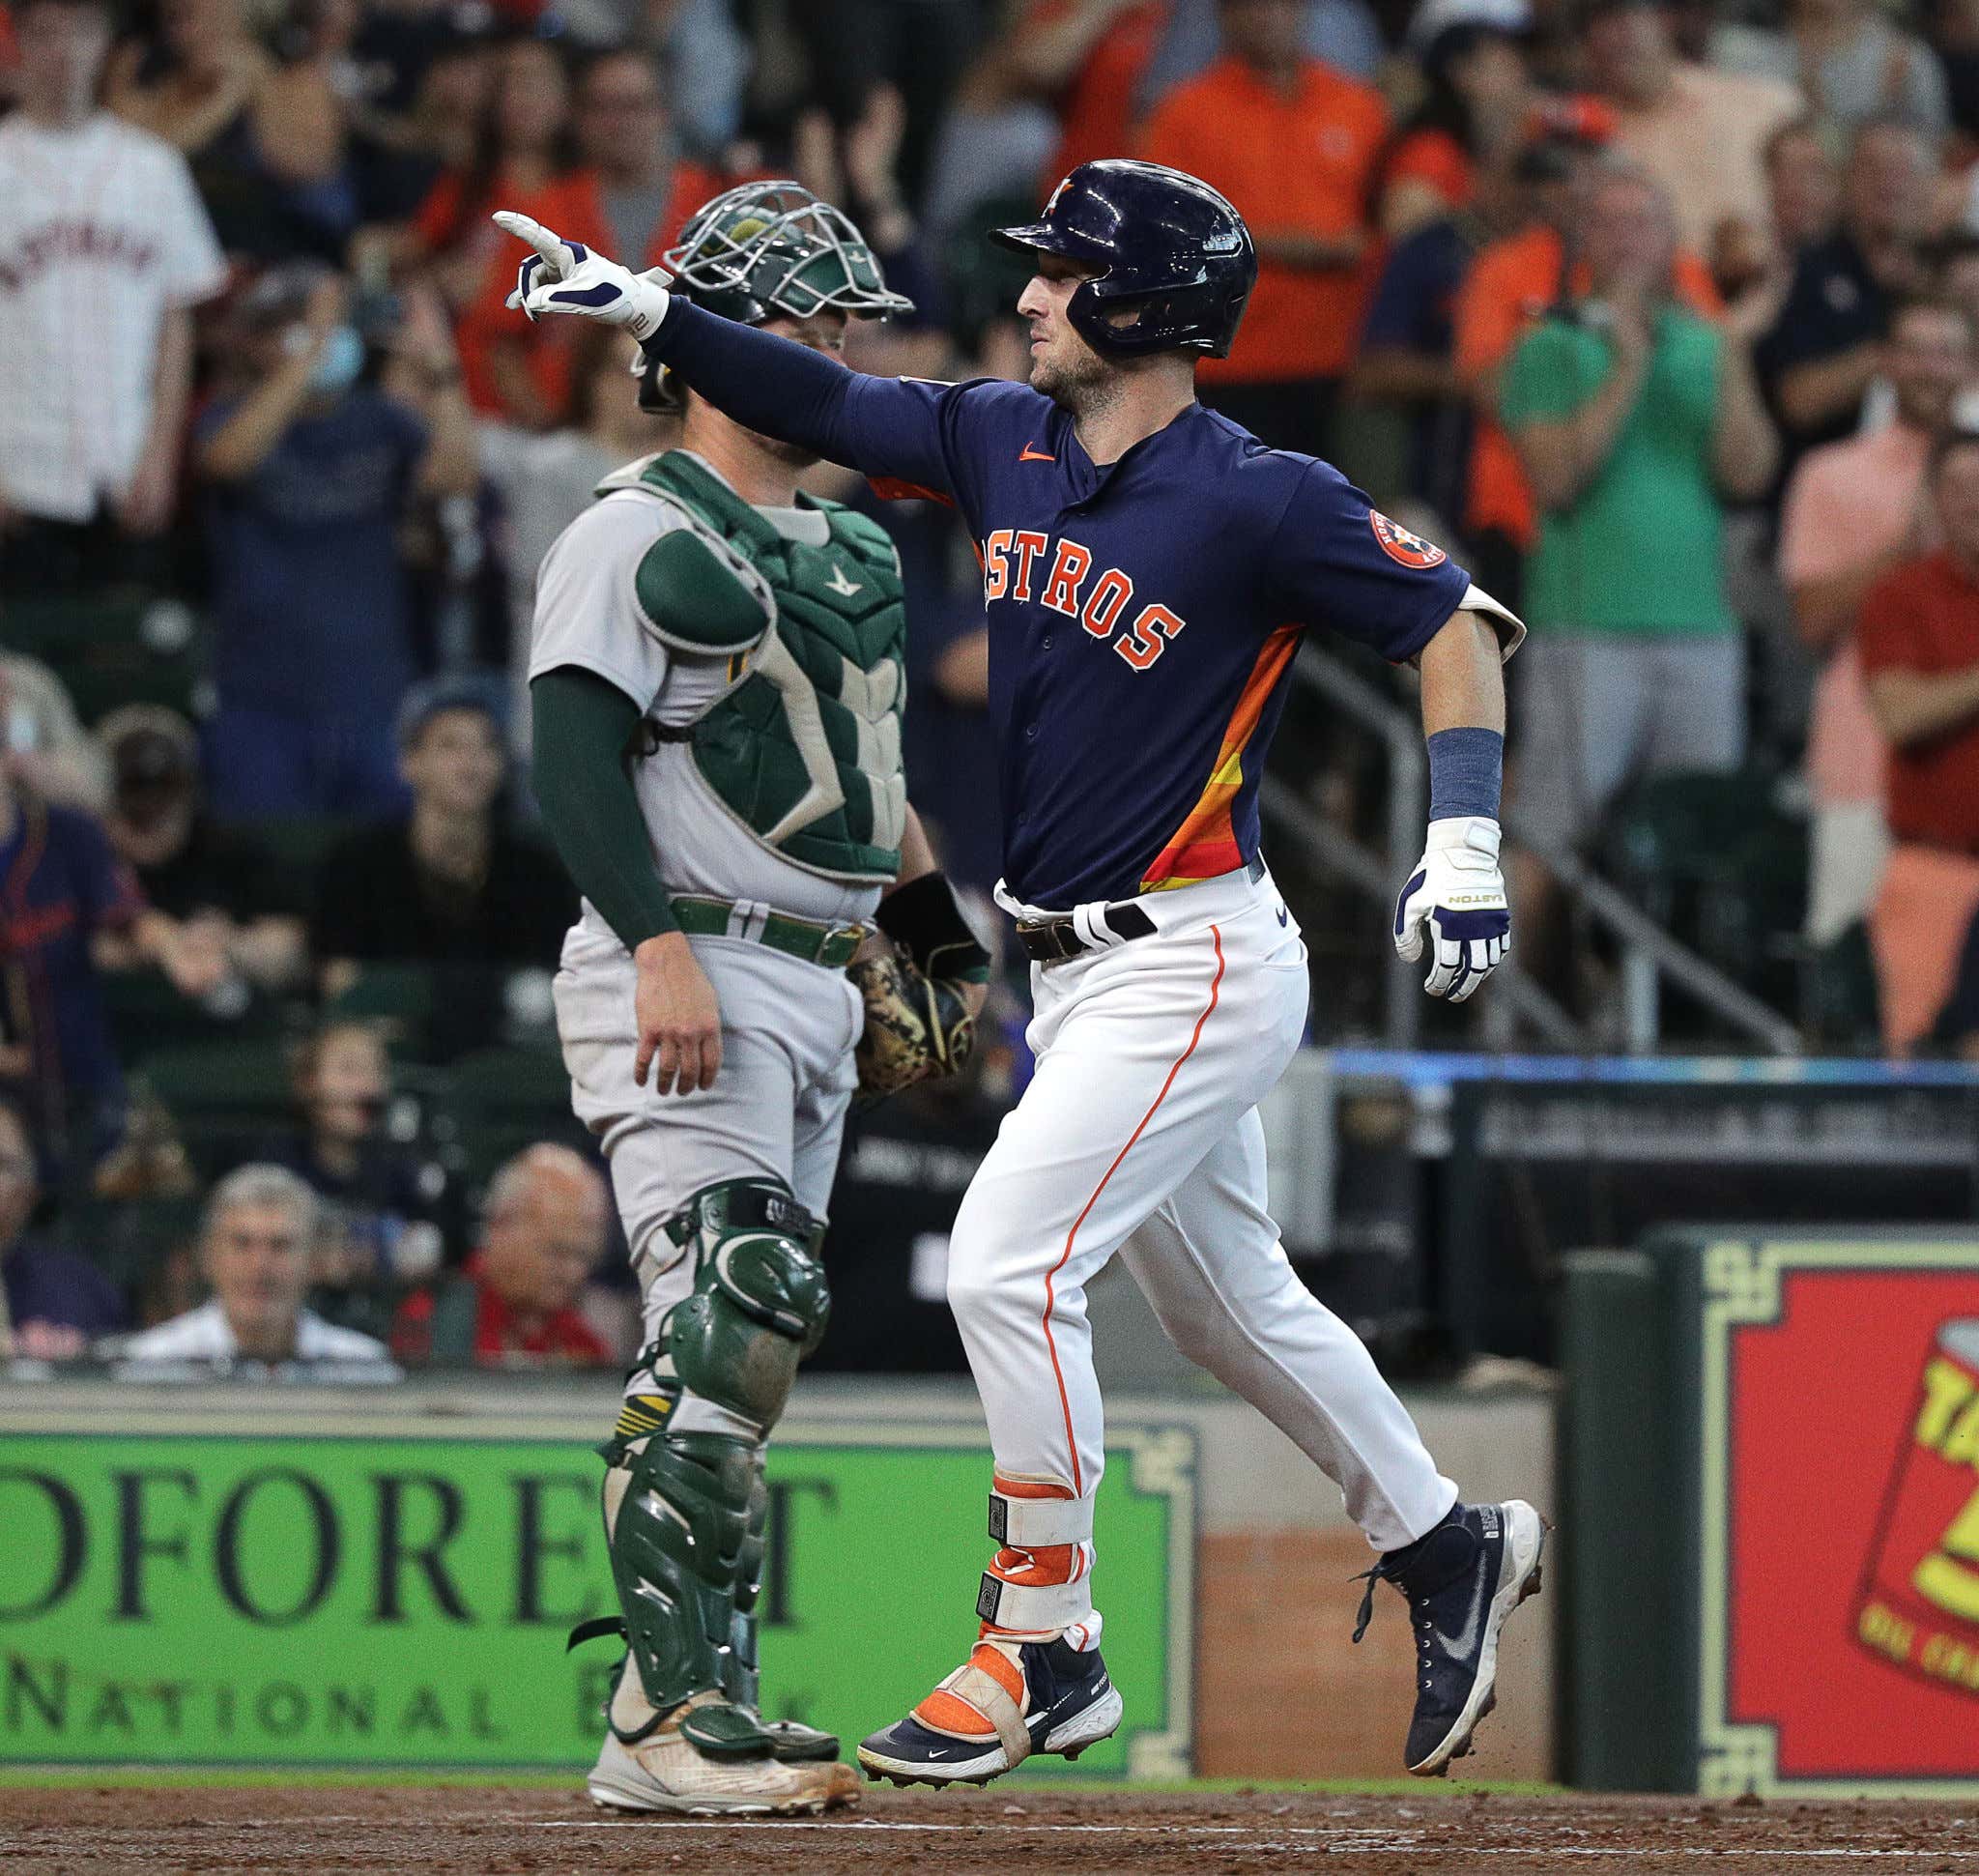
(341, 359)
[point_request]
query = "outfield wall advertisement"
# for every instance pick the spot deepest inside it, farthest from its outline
(341, 1593)
(1839, 1474)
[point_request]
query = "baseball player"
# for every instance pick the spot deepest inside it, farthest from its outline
(1149, 569)
(716, 694)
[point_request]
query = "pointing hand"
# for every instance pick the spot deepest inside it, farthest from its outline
(567, 277)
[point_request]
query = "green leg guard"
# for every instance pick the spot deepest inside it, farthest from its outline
(687, 1532)
(789, 1740)
(676, 1544)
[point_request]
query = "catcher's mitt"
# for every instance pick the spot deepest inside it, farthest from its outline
(916, 1026)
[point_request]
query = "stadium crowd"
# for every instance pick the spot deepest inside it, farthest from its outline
(1662, 316)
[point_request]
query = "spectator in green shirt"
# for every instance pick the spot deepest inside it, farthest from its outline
(1636, 420)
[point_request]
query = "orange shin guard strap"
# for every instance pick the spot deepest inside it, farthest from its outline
(979, 1700)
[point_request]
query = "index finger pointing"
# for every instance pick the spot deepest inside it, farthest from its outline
(556, 255)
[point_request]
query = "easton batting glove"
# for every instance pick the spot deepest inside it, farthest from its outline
(567, 277)
(1456, 893)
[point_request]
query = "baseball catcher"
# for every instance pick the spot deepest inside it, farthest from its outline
(716, 686)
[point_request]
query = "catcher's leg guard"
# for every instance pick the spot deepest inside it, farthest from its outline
(684, 1496)
(1034, 1682)
(789, 1740)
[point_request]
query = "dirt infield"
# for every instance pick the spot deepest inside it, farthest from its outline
(493, 1831)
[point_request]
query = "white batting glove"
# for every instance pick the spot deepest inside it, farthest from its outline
(567, 277)
(1456, 896)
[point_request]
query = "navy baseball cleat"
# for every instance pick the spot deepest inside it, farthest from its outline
(1461, 1581)
(1010, 1701)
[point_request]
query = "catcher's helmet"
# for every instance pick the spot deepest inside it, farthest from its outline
(1167, 245)
(767, 249)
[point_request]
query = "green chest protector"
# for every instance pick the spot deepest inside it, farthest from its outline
(804, 747)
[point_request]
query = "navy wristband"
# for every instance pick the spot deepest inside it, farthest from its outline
(1466, 774)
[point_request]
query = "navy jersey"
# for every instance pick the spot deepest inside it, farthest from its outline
(1142, 617)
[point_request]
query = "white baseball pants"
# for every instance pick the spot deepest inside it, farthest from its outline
(1139, 1135)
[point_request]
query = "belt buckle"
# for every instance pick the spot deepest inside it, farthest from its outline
(1059, 932)
(854, 934)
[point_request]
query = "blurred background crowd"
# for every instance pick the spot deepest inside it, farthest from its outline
(1661, 316)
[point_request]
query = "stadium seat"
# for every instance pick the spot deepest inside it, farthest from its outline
(404, 997)
(1714, 859)
(115, 649)
(147, 1014)
(508, 1099)
(248, 1076)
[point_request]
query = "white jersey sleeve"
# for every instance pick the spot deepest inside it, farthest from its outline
(586, 613)
(193, 266)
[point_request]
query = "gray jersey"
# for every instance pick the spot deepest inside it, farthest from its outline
(587, 616)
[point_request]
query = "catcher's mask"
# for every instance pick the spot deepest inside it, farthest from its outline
(763, 250)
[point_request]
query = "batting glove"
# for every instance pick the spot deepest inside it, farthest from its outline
(567, 277)
(1456, 895)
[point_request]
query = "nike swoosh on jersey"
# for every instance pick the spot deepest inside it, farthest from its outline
(1031, 456)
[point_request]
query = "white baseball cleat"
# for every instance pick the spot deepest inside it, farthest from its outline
(667, 1773)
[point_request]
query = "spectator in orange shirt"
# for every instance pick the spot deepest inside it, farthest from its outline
(1478, 92)
(1294, 146)
(630, 188)
(1919, 634)
(1087, 57)
(515, 1300)
(512, 368)
(625, 140)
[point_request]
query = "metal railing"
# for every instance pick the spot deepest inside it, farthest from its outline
(1650, 955)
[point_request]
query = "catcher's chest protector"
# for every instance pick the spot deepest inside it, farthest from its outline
(804, 749)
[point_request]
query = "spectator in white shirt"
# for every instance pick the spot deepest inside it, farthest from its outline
(256, 1244)
(104, 248)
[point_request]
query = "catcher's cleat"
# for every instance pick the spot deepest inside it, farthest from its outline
(792, 1742)
(1461, 1581)
(1009, 1702)
(667, 1773)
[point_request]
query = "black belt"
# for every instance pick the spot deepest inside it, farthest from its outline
(1052, 941)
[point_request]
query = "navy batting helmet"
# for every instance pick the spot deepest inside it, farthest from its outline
(1168, 248)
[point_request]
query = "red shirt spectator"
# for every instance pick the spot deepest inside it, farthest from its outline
(487, 328)
(1921, 622)
(1919, 635)
(1435, 161)
(499, 1332)
(515, 1300)
(629, 199)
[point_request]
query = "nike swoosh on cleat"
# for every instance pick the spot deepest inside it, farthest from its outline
(1047, 1715)
(1030, 455)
